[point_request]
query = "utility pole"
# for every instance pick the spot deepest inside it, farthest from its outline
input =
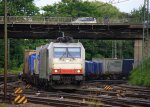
(146, 39)
(6, 51)
(115, 49)
(112, 54)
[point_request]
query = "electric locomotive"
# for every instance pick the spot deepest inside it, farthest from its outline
(59, 65)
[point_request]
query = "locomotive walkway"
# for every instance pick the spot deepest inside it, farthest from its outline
(26, 27)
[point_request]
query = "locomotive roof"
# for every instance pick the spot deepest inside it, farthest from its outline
(52, 44)
(78, 44)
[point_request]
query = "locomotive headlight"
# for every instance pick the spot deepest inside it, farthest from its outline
(67, 60)
(56, 70)
(78, 71)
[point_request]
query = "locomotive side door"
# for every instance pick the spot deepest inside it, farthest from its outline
(43, 64)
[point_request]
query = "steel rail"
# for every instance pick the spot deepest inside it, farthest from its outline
(112, 100)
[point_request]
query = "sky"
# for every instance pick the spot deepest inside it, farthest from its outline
(123, 5)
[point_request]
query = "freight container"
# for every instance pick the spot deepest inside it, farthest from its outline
(113, 66)
(97, 69)
(89, 68)
(110, 66)
(127, 66)
(27, 53)
(93, 69)
(32, 63)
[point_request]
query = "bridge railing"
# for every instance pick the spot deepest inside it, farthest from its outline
(120, 21)
(57, 20)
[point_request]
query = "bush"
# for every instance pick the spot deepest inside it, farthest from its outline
(141, 75)
(1, 70)
(12, 71)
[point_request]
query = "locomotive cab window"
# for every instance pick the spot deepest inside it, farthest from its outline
(70, 52)
(74, 52)
(60, 52)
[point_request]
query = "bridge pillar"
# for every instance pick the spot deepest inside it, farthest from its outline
(137, 52)
(147, 48)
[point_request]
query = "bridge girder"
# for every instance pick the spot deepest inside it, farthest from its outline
(77, 31)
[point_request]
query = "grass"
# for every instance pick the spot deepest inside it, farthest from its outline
(141, 75)
(11, 105)
(11, 71)
(2, 105)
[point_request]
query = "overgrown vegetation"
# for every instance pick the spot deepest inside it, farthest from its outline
(13, 70)
(141, 74)
(2, 105)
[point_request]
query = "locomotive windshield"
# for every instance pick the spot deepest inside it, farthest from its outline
(67, 52)
(74, 52)
(60, 52)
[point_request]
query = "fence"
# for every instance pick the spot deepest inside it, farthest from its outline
(67, 20)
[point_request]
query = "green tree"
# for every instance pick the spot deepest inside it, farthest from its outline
(137, 15)
(79, 8)
(20, 8)
(17, 46)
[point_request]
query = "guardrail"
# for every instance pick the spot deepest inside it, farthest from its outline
(59, 20)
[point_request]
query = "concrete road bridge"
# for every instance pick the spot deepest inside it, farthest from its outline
(37, 27)
(52, 27)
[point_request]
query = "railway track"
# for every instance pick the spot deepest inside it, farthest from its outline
(1, 83)
(107, 81)
(90, 96)
(10, 78)
(135, 88)
(117, 93)
(54, 99)
(60, 98)
(101, 98)
(127, 90)
(81, 97)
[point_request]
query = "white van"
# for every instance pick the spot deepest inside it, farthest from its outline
(85, 20)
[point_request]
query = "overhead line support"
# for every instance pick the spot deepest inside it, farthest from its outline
(6, 50)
